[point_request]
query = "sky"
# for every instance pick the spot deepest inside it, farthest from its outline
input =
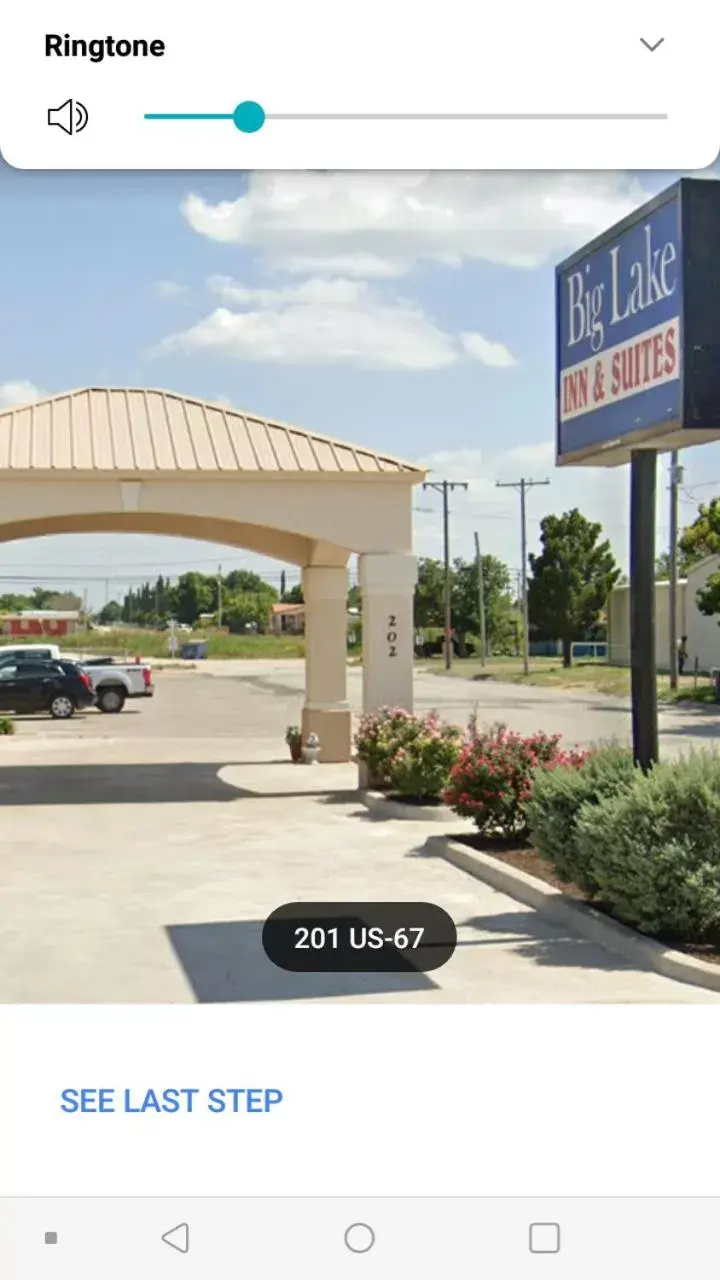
(412, 313)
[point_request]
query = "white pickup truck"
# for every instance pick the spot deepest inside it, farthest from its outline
(114, 682)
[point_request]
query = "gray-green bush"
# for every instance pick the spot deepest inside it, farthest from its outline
(558, 796)
(653, 850)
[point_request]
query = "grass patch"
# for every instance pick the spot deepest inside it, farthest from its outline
(589, 674)
(704, 693)
(154, 644)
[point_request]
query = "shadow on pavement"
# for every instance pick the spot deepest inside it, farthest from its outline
(536, 938)
(112, 784)
(225, 962)
(136, 784)
(698, 721)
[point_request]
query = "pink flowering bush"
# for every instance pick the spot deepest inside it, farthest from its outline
(380, 735)
(492, 779)
(411, 754)
(420, 770)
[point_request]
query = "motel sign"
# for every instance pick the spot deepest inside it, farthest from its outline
(638, 332)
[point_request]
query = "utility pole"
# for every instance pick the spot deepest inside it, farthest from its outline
(675, 482)
(446, 487)
(522, 487)
(481, 601)
(219, 596)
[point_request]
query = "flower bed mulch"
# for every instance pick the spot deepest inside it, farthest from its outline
(518, 854)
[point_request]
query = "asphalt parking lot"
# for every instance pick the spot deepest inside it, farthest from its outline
(143, 851)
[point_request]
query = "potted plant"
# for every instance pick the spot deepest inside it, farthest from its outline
(293, 737)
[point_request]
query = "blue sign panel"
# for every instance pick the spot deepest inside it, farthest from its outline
(619, 333)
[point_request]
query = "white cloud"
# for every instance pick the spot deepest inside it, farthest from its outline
(23, 392)
(380, 224)
(364, 266)
(540, 455)
(308, 292)
(171, 289)
(495, 354)
(320, 321)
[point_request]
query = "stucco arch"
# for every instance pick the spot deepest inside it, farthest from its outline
(275, 543)
(136, 460)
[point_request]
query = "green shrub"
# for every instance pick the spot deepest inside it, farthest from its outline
(421, 769)
(555, 803)
(7, 726)
(654, 848)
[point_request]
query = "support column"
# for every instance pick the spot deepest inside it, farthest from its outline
(388, 584)
(326, 711)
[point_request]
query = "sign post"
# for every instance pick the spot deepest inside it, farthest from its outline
(638, 373)
(643, 485)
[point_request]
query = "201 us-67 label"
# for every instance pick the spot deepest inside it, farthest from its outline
(359, 937)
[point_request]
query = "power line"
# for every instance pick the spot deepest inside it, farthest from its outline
(522, 487)
(445, 488)
(467, 511)
(486, 515)
(704, 484)
(150, 566)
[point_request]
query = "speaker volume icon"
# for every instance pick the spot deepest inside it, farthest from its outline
(72, 116)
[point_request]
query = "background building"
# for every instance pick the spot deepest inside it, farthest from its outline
(703, 633)
(41, 622)
(288, 619)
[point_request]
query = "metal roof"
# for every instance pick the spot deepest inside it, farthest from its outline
(134, 430)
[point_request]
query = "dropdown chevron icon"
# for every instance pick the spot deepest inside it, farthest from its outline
(652, 47)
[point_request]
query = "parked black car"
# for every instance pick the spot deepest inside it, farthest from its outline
(60, 688)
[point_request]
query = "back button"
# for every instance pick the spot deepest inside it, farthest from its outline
(178, 1238)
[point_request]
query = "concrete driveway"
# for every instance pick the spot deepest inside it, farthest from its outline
(142, 853)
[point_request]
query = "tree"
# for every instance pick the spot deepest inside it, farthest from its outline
(14, 603)
(110, 613)
(662, 567)
(500, 612)
(701, 539)
(193, 594)
(571, 578)
(246, 580)
(430, 594)
(247, 608)
(294, 595)
(40, 597)
(685, 561)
